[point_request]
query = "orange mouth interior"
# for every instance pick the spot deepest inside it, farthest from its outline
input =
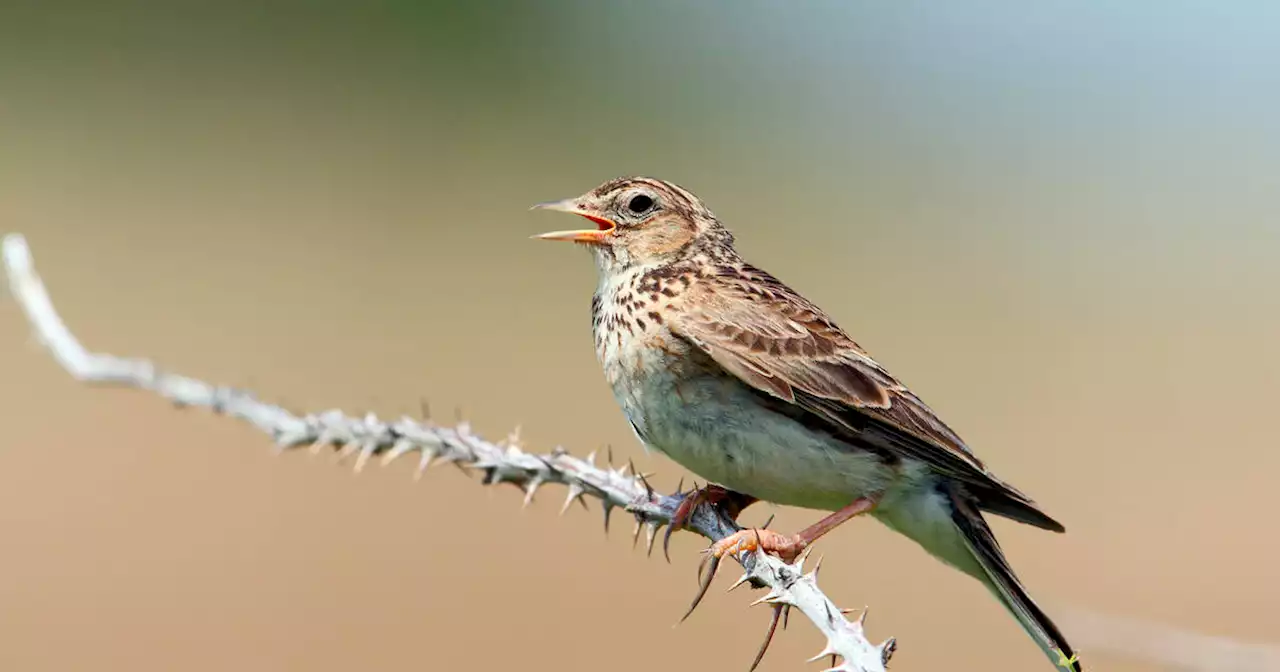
(602, 223)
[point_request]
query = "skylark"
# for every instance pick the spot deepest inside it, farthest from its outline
(746, 383)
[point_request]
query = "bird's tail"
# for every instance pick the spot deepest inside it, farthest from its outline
(1000, 579)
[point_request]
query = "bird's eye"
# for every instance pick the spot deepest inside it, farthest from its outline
(640, 203)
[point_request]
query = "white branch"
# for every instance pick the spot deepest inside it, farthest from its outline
(502, 462)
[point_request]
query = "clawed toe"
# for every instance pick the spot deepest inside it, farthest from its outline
(784, 546)
(730, 502)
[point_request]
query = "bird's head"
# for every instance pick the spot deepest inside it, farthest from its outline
(641, 221)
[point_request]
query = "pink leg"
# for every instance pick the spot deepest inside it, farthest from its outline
(788, 547)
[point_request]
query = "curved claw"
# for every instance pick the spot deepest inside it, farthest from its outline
(666, 541)
(704, 583)
(677, 521)
(768, 635)
(729, 503)
(681, 516)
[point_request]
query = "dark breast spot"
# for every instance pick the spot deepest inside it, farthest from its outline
(669, 271)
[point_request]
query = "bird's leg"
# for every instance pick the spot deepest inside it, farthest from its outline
(729, 502)
(788, 547)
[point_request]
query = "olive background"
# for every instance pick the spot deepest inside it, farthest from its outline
(1058, 223)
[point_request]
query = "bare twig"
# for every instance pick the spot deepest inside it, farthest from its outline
(500, 462)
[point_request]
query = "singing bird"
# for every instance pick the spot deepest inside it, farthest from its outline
(736, 376)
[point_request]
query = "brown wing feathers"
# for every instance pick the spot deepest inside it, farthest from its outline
(762, 332)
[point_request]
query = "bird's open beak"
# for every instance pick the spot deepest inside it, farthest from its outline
(597, 236)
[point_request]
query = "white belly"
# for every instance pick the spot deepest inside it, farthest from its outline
(713, 427)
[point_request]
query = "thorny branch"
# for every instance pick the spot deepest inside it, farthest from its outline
(499, 462)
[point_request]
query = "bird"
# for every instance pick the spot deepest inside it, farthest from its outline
(731, 373)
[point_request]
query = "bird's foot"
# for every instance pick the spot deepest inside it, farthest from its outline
(727, 501)
(788, 547)
(751, 539)
(784, 546)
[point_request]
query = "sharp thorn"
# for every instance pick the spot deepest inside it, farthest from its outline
(609, 454)
(766, 523)
(365, 453)
(608, 510)
(648, 489)
(575, 491)
(635, 537)
(428, 456)
(745, 578)
(591, 458)
(798, 563)
(650, 534)
(786, 616)
(826, 651)
(399, 448)
(345, 450)
(680, 486)
(886, 650)
(768, 637)
(862, 618)
(529, 490)
(703, 585)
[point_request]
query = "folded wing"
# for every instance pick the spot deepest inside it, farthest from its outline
(764, 333)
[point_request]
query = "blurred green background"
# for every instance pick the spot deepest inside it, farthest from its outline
(1056, 221)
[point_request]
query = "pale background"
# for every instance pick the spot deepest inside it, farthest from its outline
(1059, 224)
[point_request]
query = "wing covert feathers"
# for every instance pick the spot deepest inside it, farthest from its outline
(764, 333)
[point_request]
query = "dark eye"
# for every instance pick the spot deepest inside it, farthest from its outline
(640, 203)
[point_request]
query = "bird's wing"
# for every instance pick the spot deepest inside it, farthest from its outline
(764, 333)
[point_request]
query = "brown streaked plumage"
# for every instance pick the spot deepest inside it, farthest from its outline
(727, 370)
